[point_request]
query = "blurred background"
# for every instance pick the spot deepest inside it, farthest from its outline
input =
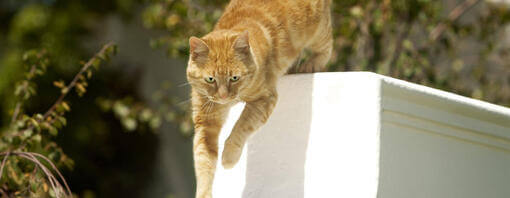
(125, 131)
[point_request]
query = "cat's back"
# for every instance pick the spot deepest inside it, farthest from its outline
(293, 13)
(281, 29)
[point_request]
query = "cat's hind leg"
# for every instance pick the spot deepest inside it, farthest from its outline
(319, 57)
(320, 50)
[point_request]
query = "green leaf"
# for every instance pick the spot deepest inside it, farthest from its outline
(62, 107)
(356, 11)
(120, 109)
(14, 173)
(55, 156)
(34, 186)
(18, 89)
(8, 139)
(80, 89)
(111, 50)
(408, 44)
(89, 74)
(34, 122)
(20, 124)
(62, 120)
(27, 133)
(65, 106)
(129, 123)
(39, 116)
(45, 125)
(155, 122)
(52, 193)
(37, 138)
(59, 84)
(53, 130)
(145, 115)
(96, 62)
(16, 141)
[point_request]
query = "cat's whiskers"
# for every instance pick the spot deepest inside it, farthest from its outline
(184, 84)
(204, 105)
(184, 102)
(189, 100)
(209, 108)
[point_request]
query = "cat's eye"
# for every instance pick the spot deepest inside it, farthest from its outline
(209, 79)
(234, 78)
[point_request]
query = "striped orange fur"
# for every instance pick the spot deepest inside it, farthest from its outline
(253, 44)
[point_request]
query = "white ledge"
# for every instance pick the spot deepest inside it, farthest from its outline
(359, 134)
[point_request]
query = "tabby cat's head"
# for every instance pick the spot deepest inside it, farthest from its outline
(220, 65)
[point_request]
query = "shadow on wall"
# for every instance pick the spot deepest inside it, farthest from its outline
(277, 152)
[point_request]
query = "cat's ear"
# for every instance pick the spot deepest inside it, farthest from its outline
(242, 44)
(198, 49)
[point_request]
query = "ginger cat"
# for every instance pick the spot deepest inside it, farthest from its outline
(252, 45)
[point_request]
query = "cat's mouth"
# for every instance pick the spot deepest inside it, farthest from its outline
(222, 100)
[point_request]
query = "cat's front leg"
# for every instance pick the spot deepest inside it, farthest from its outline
(254, 115)
(209, 118)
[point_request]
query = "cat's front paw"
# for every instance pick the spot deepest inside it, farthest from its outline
(231, 155)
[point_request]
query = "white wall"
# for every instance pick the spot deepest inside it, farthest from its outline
(359, 134)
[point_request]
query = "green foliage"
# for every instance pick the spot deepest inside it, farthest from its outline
(415, 41)
(410, 40)
(134, 113)
(29, 138)
(181, 19)
(64, 29)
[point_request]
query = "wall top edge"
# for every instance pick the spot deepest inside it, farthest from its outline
(435, 98)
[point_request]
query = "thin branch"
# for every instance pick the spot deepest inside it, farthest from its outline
(454, 15)
(55, 169)
(17, 108)
(16, 111)
(71, 85)
(399, 45)
(55, 184)
(3, 163)
(366, 39)
(75, 79)
(48, 173)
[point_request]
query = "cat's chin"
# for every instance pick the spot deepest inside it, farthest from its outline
(226, 101)
(220, 102)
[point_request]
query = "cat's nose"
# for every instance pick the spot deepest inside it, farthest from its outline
(223, 95)
(223, 92)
